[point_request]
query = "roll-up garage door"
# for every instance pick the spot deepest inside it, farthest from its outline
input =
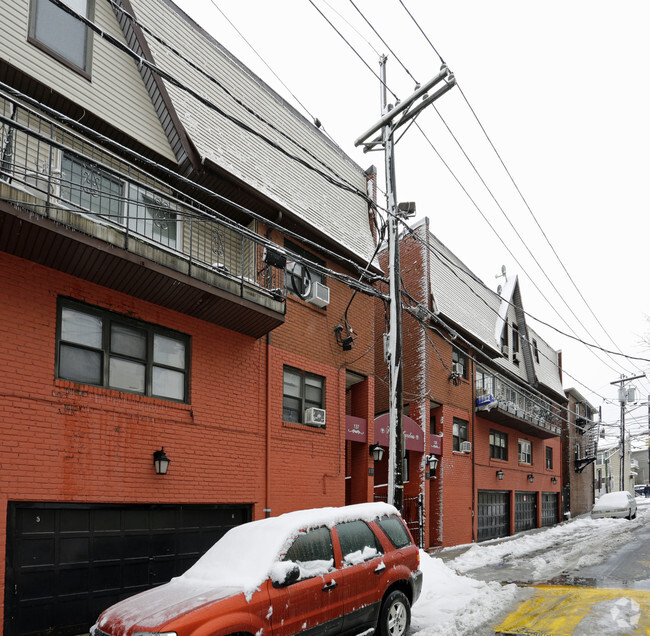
(550, 508)
(493, 514)
(525, 511)
(68, 562)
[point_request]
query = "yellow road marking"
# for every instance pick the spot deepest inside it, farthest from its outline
(574, 611)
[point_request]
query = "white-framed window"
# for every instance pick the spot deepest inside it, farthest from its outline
(460, 433)
(87, 187)
(525, 452)
(459, 362)
(61, 34)
(102, 348)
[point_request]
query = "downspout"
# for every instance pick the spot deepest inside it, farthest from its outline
(267, 475)
(473, 382)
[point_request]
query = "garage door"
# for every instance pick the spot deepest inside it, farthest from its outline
(66, 563)
(550, 508)
(525, 511)
(493, 514)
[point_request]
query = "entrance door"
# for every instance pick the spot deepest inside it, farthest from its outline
(68, 562)
(493, 514)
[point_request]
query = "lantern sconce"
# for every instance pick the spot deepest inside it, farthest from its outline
(161, 461)
(554, 480)
(500, 475)
(432, 463)
(376, 451)
(531, 477)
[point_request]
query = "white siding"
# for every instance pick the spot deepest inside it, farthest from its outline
(332, 210)
(115, 93)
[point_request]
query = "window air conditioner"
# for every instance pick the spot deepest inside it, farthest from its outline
(320, 295)
(505, 350)
(466, 447)
(522, 458)
(315, 417)
(457, 368)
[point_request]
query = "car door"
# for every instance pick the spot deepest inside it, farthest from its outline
(314, 603)
(362, 575)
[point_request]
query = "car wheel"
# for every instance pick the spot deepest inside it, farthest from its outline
(395, 615)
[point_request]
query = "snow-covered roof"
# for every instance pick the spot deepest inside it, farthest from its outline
(237, 110)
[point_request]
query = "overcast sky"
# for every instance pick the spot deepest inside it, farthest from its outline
(561, 89)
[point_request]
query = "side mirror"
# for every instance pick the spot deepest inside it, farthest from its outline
(285, 573)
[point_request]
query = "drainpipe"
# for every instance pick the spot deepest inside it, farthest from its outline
(267, 475)
(473, 383)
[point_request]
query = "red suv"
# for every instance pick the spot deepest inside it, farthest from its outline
(323, 571)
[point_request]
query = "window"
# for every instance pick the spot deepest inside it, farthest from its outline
(535, 351)
(312, 551)
(459, 363)
(298, 278)
(525, 452)
(498, 445)
(98, 347)
(394, 529)
(91, 189)
(504, 339)
(549, 458)
(484, 383)
(515, 343)
(61, 34)
(460, 433)
(358, 542)
(301, 392)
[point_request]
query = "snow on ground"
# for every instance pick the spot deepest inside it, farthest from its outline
(454, 604)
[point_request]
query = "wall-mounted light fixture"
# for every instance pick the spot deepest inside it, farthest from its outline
(554, 480)
(432, 462)
(500, 474)
(376, 451)
(531, 477)
(161, 461)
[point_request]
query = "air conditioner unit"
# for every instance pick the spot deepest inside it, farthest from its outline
(466, 447)
(315, 417)
(515, 357)
(505, 350)
(457, 368)
(523, 459)
(320, 295)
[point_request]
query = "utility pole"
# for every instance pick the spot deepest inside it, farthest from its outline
(624, 397)
(387, 125)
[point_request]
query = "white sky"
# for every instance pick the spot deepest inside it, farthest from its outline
(561, 89)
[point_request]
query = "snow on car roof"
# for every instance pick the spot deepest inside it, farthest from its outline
(619, 498)
(243, 557)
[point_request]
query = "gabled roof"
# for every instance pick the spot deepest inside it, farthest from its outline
(236, 124)
(466, 303)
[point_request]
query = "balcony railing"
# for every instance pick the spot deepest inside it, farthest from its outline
(77, 183)
(514, 404)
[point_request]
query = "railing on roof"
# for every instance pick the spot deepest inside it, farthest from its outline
(52, 170)
(493, 391)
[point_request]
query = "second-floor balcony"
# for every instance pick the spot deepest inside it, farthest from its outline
(72, 204)
(508, 404)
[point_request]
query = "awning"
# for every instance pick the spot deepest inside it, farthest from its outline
(413, 435)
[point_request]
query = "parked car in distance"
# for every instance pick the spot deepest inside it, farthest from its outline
(322, 571)
(615, 504)
(639, 490)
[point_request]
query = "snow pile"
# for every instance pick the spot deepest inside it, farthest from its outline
(453, 605)
(614, 617)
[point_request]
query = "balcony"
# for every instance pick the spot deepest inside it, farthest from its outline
(72, 205)
(505, 403)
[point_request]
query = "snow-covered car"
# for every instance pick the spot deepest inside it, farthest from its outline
(615, 504)
(321, 571)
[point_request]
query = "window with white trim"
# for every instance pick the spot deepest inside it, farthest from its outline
(525, 452)
(62, 35)
(102, 348)
(460, 433)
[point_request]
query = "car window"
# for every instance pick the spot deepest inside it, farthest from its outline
(358, 542)
(395, 531)
(313, 553)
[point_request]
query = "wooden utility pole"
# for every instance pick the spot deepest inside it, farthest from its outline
(387, 125)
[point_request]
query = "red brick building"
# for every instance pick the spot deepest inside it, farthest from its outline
(485, 392)
(176, 277)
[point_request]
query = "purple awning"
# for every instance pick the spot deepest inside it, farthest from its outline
(413, 435)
